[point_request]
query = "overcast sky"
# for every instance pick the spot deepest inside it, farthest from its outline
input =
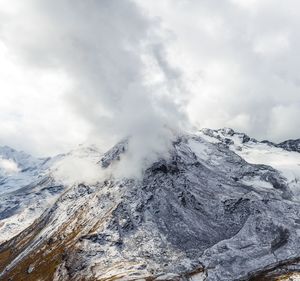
(75, 71)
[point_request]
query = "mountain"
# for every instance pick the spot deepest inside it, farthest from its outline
(221, 206)
(26, 190)
(17, 168)
(290, 145)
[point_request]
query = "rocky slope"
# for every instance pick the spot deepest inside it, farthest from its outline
(25, 190)
(222, 206)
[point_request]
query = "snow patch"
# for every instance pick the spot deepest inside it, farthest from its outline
(200, 149)
(198, 277)
(256, 182)
(286, 162)
(207, 137)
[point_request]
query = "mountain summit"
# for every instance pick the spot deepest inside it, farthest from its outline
(221, 206)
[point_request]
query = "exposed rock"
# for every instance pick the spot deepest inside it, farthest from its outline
(203, 213)
(290, 145)
(30, 269)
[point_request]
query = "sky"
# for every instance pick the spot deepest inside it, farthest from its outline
(92, 71)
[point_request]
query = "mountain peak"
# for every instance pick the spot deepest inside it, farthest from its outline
(196, 214)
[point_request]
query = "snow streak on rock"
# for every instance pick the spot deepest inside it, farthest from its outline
(219, 206)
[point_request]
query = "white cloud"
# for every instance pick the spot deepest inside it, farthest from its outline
(8, 166)
(285, 118)
(101, 70)
(75, 169)
(108, 52)
(272, 44)
(240, 60)
(33, 114)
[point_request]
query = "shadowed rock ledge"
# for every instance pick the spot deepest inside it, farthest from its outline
(193, 216)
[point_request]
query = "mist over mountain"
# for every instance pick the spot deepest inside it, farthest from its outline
(219, 205)
(119, 80)
(105, 173)
(99, 71)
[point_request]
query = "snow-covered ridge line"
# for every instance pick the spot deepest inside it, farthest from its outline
(18, 169)
(228, 134)
(221, 206)
(284, 157)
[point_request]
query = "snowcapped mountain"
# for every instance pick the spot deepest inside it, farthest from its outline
(221, 206)
(17, 169)
(25, 190)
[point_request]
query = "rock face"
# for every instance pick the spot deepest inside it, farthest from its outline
(290, 145)
(210, 211)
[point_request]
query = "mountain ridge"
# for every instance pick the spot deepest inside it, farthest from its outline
(205, 213)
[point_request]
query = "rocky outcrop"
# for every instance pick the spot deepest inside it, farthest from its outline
(290, 145)
(195, 215)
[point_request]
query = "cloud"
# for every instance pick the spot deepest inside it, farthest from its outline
(120, 82)
(98, 71)
(8, 166)
(239, 58)
(79, 166)
(33, 115)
